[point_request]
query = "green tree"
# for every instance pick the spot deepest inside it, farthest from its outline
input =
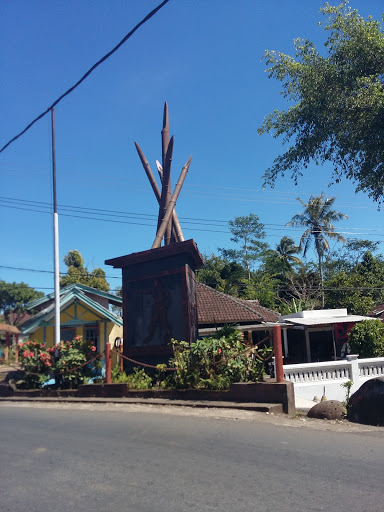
(78, 273)
(13, 299)
(367, 339)
(262, 287)
(346, 258)
(338, 102)
(359, 289)
(247, 231)
(300, 289)
(283, 260)
(317, 218)
(223, 275)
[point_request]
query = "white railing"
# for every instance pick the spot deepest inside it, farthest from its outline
(313, 379)
(370, 368)
(315, 372)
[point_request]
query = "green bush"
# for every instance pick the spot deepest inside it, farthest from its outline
(139, 379)
(71, 363)
(36, 362)
(367, 339)
(215, 362)
(209, 363)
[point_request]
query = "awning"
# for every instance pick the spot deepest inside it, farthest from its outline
(312, 322)
(11, 329)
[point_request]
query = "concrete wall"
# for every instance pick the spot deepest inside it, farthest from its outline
(316, 379)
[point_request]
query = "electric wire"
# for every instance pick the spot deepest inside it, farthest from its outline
(42, 207)
(90, 70)
(235, 283)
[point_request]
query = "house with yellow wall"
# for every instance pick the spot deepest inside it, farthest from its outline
(84, 311)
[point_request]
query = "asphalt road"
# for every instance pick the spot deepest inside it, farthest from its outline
(128, 459)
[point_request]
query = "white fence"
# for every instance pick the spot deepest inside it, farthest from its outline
(312, 379)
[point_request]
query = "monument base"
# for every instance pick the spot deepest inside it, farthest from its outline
(159, 299)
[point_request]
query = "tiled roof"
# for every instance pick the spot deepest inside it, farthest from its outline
(214, 307)
(378, 311)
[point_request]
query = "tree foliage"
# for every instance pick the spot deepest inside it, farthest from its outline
(248, 232)
(358, 289)
(13, 300)
(317, 218)
(78, 273)
(282, 261)
(367, 339)
(338, 102)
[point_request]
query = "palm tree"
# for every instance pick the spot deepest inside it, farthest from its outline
(318, 217)
(285, 254)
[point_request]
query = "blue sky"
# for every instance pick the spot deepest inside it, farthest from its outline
(204, 59)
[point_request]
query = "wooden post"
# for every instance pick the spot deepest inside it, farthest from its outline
(278, 353)
(108, 377)
(6, 351)
(121, 358)
(17, 349)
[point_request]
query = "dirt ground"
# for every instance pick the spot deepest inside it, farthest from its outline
(297, 421)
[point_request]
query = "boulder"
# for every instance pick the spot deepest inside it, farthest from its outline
(328, 410)
(367, 404)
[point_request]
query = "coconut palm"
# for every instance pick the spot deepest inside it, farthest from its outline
(285, 254)
(317, 218)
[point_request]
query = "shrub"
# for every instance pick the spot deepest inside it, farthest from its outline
(71, 363)
(367, 338)
(139, 379)
(215, 362)
(36, 363)
(75, 362)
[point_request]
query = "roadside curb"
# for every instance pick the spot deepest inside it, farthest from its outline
(259, 407)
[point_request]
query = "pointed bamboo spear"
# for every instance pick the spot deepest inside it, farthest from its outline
(171, 205)
(176, 228)
(166, 191)
(166, 160)
(148, 171)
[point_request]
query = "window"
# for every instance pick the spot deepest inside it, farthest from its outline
(67, 334)
(91, 333)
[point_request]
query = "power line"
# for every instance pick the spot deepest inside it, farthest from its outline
(51, 271)
(235, 283)
(90, 70)
(42, 207)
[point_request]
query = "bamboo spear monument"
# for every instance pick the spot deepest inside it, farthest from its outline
(159, 289)
(168, 225)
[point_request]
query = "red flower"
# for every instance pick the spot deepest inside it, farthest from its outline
(219, 351)
(78, 338)
(93, 349)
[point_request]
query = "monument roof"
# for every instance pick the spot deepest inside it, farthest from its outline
(188, 247)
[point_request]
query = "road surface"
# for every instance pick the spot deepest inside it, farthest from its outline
(118, 459)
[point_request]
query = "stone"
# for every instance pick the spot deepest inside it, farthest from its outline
(366, 405)
(328, 410)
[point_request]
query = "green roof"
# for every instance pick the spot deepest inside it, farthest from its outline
(68, 295)
(113, 299)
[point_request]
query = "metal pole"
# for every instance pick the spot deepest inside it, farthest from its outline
(55, 236)
(279, 371)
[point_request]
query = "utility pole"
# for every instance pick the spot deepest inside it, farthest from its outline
(55, 235)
